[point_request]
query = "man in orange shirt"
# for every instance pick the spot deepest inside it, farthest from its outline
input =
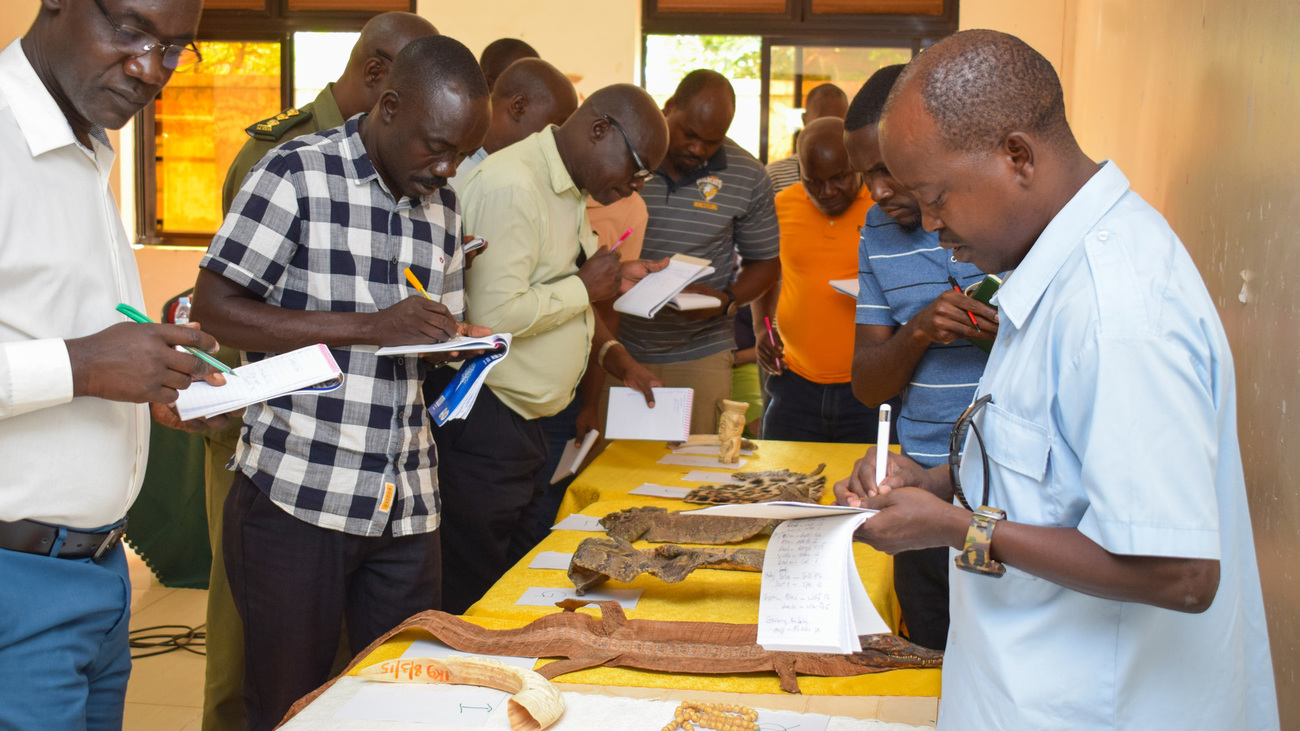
(808, 353)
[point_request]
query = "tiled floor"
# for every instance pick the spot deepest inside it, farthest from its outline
(166, 692)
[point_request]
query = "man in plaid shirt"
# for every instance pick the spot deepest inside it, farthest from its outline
(334, 507)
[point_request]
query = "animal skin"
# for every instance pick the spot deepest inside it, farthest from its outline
(660, 646)
(657, 525)
(599, 559)
(761, 487)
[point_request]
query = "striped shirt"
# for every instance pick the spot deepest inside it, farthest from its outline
(784, 172)
(899, 273)
(723, 209)
(314, 228)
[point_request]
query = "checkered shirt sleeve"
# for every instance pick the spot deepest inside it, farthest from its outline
(313, 228)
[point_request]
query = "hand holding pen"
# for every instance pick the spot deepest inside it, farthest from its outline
(770, 349)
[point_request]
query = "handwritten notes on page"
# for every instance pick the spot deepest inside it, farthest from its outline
(446, 705)
(439, 651)
(812, 599)
(312, 368)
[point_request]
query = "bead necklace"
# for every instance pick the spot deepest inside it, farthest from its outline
(718, 716)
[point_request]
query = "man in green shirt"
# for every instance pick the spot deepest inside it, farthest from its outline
(355, 91)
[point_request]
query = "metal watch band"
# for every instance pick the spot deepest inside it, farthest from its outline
(976, 554)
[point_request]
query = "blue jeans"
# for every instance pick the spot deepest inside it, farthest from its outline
(800, 410)
(64, 657)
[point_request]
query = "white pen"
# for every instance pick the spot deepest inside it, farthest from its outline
(882, 443)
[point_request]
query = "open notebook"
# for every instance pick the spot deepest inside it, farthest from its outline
(650, 294)
(491, 342)
(307, 369)
(668, 421)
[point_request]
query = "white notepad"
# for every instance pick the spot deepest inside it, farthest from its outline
(650, 294)
(310, 368)
(574, 453)
(630, 418)
(491, 342)
(811, 598)
(846, 286)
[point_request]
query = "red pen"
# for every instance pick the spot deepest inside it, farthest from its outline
(957, 287)
(621, 239)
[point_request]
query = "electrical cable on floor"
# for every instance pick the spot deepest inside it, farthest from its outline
(162, 640)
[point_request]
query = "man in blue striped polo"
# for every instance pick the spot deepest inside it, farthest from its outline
(911, 340)
(713, 200)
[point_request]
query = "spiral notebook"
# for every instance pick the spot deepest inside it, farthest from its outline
(307, 369)
(630, 418)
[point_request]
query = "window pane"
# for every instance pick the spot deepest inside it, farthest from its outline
(318, 59)
(847, 68)
(739, 58)
(200, 119)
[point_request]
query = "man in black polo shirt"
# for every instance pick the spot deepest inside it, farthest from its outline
(713, 200)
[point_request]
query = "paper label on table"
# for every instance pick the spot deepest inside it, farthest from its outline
(707, 449)
(675, 493)
(691, 460)
(718, 478)
(806, 600)
(781, 510)
(791, 721)
(551, 560)
(546, 596)
(447, 705)
(577, 521)
(435, 649)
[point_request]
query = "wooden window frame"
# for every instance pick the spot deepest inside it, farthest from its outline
(274, 22)
(799, 21)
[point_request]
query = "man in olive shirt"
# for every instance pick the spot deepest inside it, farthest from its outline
(355, 91)
(538, 281)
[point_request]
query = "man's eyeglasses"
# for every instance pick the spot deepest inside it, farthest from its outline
(383, 54)
(137, 43)
(643, 173)
(964, 423)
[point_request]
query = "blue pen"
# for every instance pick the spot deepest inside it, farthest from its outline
(140, 317)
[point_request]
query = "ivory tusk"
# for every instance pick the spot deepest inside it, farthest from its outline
(534, 703)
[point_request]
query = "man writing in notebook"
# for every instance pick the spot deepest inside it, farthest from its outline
(334, 508)
(912, 342)
(712, 200)
(355, 91)
(1107, 578)
(538, 282)
(74, 376)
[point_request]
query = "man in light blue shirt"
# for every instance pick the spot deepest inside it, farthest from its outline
(1120, 587)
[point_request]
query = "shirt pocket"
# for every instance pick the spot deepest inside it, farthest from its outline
(1019, 450)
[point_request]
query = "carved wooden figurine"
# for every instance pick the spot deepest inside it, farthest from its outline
(731, 424)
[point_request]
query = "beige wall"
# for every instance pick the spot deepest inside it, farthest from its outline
(1197, 104)
(15, 17)
(601, 42)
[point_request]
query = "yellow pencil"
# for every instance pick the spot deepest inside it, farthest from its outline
(410, 277)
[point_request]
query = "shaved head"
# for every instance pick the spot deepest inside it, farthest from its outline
(616, 134)
(501, 54)
(831, 183)
(825, 100)
(528, 97)
(366, 75)
(981, 85)
(389, 33)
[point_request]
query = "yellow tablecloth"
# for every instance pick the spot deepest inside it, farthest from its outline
(706, 595)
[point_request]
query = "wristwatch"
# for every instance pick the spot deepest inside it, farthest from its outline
(977, 554)
(731, 303)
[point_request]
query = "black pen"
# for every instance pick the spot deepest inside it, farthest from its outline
(957, 287)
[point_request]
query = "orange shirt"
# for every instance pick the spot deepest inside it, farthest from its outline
(815, 321)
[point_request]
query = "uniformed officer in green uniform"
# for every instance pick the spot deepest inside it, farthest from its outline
(356, 91)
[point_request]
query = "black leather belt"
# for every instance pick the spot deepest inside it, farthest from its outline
(29, 536)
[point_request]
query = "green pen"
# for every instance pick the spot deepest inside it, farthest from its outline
(139, 316)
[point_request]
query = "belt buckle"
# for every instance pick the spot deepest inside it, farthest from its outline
(110, 540)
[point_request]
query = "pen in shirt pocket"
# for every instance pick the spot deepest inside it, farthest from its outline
(140, 317)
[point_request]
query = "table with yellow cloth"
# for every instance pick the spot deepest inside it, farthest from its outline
(707, 594)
